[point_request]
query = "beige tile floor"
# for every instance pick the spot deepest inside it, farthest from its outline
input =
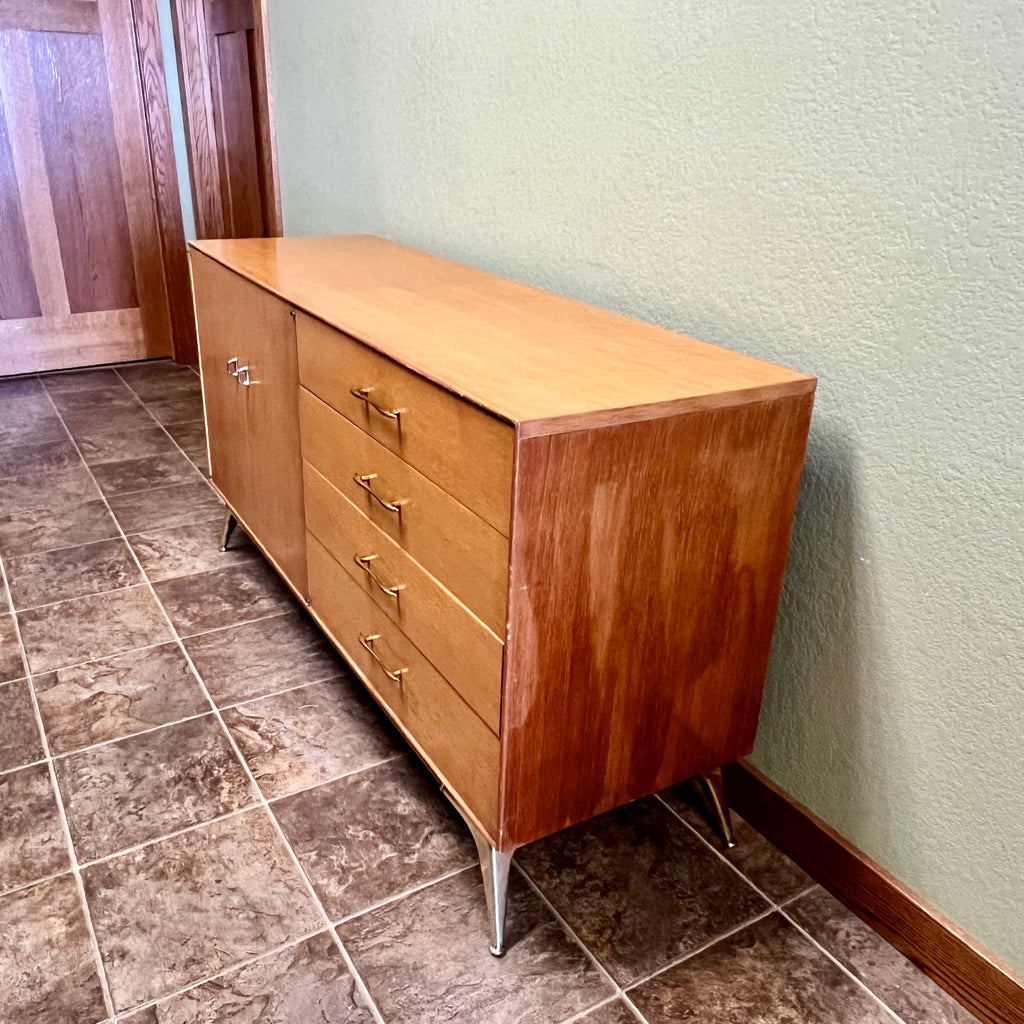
(205, 819)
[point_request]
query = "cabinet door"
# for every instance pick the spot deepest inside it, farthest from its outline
(252, 419)
(275, 498)
(219, 295)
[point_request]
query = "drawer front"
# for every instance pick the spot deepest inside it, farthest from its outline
(454, 640)
(464, 450)
(432, 715)
(468, 556)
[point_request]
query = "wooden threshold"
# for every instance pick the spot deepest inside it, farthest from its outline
(947, 954)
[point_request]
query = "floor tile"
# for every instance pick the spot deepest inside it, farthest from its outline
(639, 888)
(304, 984)
(113, 444)
(262, 657)
(20, 742)
(29, 418)
(38, 458)
(142, 474)
(223, 597)
(543, 977)
(80, 380)
(71, 572)
(181, 409)
(87, 628)
(764, 864)
(616, 1012)
(58, 488)
(226, 892)
(306, 736)
(366, 838)
(32, 843)
(146, 786)
(11, 664)
(43, 529)
(19, 387)
(48, 973)
(188, 549)
(168, 506)
(889, 974)
(190, 437)
(111, 398)
(124, 417)
(117, 697)
(766, 972)
(159, 380)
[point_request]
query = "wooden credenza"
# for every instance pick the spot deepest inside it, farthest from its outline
(549, 539)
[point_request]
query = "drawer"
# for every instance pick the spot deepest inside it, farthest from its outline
(436, 720)
(454, 640)
(468, 556)
(464, 450)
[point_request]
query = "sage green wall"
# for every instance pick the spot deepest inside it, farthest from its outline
(834, 186)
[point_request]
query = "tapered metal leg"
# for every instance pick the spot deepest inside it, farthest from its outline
(715, 789)
(230, 522)
(494, 866)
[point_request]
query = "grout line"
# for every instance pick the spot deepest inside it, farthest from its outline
(35, 881)
(846, 970)
(29, 764)
(94, 946)
(248, 961)
(568, 928)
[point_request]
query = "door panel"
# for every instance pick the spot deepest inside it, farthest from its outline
(76, 173)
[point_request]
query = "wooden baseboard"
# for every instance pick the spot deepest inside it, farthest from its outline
(987, 987)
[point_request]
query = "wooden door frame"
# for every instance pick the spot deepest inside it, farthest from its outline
(200, 130)
(174, 256)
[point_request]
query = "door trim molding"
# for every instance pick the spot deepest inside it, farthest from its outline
(946, 953)
(193, 56)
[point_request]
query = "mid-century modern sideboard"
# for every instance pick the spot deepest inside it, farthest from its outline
(549, 539)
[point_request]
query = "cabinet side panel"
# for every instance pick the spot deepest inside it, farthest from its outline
(646, 566)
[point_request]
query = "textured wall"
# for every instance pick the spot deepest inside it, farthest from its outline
(833, 186)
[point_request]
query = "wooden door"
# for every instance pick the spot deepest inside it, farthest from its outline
(83, 278)
(221, 51)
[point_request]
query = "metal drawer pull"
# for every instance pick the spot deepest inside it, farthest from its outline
(243, 376)
(233, 370)
(367, 643)
(363, 480)
(363, 394)
(363, 561)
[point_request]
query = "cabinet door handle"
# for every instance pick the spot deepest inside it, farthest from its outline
(233, 366)
(363, 561)
(363, 394)
(367, 643)
(243, 376)
(363, 480)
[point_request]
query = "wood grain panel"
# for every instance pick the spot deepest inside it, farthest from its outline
(464, 450)
(18, 295)
(50, 16)
(442, 727)
(266, 145)
(193, 66)
(236, 136)
(82, 339)
(539, 360)
(22, 116)
(645, 572)
(454, 640)
(130, 130)
(970, 973)
(165, 180)
(468, 556)
(84, 172)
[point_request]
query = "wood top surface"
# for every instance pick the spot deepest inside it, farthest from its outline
(536, 359)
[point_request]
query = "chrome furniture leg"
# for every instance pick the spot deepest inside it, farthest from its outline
(715, 789)
(494, 866)
(230, 522)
